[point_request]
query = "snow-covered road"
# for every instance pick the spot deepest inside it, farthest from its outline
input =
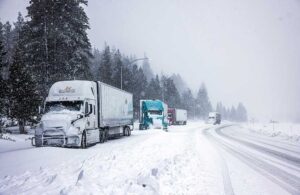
(193, 159)
(268, 162)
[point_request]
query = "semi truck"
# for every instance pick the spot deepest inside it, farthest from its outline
(214, 118)
(80, 113)
(153, 113)
(177, 116)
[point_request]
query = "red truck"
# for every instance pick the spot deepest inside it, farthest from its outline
(177, 116)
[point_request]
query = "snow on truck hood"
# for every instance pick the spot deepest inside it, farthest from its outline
(59, 119)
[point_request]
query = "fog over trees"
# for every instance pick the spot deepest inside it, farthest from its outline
(52, 44)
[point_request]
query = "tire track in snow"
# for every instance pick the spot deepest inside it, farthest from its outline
(287, 181)
(281, 146)
(228, 189)
(285, 157)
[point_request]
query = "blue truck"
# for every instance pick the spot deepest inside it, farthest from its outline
(153, 114)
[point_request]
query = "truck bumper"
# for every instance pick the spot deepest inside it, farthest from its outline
(62, 141)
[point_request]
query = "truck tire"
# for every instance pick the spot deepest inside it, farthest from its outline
(127, 131)
(83, 141)
(101, 136)
(124, 131)
(141, 127)
(105, 134)
(38, 141)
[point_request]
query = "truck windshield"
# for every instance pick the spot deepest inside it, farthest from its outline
(63, 105)
(155, 112)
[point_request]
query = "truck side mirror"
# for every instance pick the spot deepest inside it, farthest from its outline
(91, 109)
(79, 116)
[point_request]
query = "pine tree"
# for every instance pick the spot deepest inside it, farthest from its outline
(127, 78)
(171, 94)
(138, 87)
(241, 113)
(3, 85)
(58, 46)
(154, 90)
(203, 106)
(95, 61)
(18, 28)
(105, 67)
(179, 83)
(232, 115)
(24, 98)
(219, 108)
(188, 103)
(8, 42)
(117, 67)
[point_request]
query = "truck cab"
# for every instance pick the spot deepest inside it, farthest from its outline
(153, 113)
(214, 118)
(69, 115)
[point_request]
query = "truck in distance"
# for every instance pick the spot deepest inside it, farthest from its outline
(80, 113)
(177, 116)
(153, 113)
(214, 118)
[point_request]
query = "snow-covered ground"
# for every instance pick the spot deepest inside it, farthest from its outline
(287, 131)
(194, 159)
(13, 142)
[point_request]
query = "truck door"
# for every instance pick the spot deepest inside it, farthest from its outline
(90, 125)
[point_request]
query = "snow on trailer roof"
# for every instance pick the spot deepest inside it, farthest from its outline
(73, 88)
(113, 87)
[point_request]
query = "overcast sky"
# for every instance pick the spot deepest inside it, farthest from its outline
(246, 51)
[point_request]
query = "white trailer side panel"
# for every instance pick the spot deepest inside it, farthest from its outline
(116, 107)
(181, 115)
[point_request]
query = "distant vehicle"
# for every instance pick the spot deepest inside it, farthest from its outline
(80, 113)
(177, 116)
(153, 113)
(214, 118)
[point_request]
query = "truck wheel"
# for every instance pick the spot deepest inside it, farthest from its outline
(101, 136)
(83, 141)
(127, 131)
(141, 127)
(124, 131)
(105, 134)
(38, 141)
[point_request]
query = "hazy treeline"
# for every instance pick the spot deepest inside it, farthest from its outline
(52, 45)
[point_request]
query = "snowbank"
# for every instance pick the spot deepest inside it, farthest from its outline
(287, 131)
(12, 142)
(179, 161)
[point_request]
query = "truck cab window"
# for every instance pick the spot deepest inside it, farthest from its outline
(63, 105)
(90, 109)
(155, 112)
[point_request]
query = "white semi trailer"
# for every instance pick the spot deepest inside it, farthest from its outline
(80, 113)
(177, 116)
